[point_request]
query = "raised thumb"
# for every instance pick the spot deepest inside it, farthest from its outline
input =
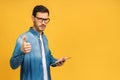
(24, 39)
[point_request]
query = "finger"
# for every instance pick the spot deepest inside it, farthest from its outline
(24, 39)
(27, 43)
(26, 52)
(59, 63)
(26, 49)
(63, 60)
(27, 46)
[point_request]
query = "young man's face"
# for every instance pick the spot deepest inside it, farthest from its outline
(40, 21)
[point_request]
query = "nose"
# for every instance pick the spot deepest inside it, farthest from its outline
(43, 22)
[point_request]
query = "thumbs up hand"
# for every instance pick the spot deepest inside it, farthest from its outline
(26, 47)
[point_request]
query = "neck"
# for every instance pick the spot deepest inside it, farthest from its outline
(40, 32)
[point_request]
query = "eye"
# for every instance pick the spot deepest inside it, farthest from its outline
(40, 18)
(46, 20)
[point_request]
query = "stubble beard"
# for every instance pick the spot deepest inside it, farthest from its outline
(39, 28)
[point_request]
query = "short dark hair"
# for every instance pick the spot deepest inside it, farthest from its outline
(40, 8)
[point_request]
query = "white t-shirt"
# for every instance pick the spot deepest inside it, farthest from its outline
(43, 59)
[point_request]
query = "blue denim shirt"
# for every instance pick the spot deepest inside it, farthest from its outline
(31, 63)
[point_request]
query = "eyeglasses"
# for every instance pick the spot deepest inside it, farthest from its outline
(46, 20)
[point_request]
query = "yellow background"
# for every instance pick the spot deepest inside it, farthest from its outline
(86, 30)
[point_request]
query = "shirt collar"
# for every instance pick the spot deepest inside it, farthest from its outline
(34, 32)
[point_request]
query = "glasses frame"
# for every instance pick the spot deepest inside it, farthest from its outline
(46, 20)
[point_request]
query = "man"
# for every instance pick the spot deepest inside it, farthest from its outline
(32, 52)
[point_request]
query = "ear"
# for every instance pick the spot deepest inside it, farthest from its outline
(33, 18)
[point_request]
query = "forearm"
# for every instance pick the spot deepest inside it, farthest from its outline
(16, 61)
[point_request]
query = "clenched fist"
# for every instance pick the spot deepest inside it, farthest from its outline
(26, 47)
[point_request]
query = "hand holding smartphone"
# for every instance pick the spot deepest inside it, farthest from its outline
(60, 61)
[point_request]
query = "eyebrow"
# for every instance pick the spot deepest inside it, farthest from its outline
(42, 18)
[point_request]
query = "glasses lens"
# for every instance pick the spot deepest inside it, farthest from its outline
(46, 20)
